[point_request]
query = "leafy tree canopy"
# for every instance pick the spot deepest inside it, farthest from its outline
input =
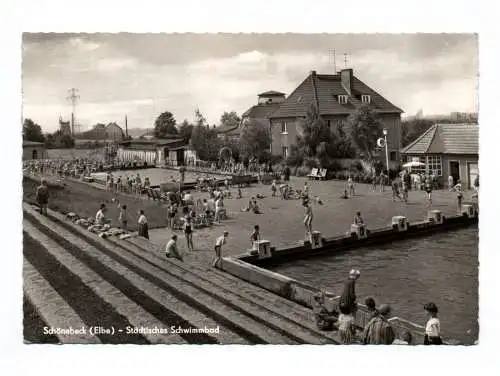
(32, 131)
(230, 119)
(165, 125)
(255, 140)
(412, 129)
(365, 128)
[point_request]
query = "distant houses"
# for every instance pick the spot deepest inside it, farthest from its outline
(102, 132)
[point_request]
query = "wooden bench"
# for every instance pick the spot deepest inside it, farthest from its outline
(313, 174)
(322, 174)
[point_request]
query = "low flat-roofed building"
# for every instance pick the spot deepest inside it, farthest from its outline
(447, 150)
(157, 152)
(33, 150)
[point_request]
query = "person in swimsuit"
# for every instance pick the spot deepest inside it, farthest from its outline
(188, 232)
(308, 218)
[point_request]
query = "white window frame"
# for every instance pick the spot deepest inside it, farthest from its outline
(427, 168)
(342, 99)
(284, 128)
(365, 98)
(284, 151)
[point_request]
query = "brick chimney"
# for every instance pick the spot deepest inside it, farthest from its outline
(346, 78)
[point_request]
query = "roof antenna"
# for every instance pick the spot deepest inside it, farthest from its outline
(334, 56)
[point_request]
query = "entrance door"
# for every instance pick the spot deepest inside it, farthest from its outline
(180, 157)
(473, 173)
(455, 171)
(34, 155)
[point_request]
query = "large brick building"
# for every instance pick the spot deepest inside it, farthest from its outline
(336, 97)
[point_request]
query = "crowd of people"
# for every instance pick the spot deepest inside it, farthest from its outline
(378, 329)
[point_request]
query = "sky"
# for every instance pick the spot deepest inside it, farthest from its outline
(142, 75)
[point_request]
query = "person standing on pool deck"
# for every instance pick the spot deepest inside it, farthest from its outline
(308, 218)
(255, 237)
(42, 196)
(143, 225)
(188, 232)
(122, 217)
(458, 189)
(350, 186)
(221, 240)
(428, 191)
(348, 299)
(433, 326)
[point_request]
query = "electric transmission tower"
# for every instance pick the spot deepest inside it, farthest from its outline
(73, 97)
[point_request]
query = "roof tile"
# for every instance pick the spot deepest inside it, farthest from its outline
(446, 139)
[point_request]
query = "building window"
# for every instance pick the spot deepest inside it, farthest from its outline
(284, 151)
(365, 99)
(342, 99)
(284, 127)
(328, 123)
(435, 165)
(392, 155)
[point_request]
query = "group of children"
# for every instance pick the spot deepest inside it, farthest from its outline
(133, 185)
(378, 329)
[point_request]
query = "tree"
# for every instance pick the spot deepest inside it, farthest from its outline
(32, 131)
(50, 141)
(199, 119)
(205, 142)
(412, 129)
(185, 130)
(254, 140)
(230, 119)
(314, 132)
(365, 128)
(165, 125)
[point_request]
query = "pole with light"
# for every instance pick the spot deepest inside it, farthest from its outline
(381, 143)
(385, 131)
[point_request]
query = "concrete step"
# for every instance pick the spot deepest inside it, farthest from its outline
(148, 277)
(287, 310)
(135, 314)
(274, 316)
(52, 307)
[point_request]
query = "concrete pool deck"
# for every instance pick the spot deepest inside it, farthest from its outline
(281, 221)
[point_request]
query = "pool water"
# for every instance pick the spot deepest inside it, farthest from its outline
(442, 268)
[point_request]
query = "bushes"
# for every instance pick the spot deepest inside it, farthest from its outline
(311, 162)
(302, 171)
(356, 166)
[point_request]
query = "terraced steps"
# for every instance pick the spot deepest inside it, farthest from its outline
(149, 291)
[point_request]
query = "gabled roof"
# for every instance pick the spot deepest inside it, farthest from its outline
(272, 93)
(261, 111)
(32, 143)
(156, 142)
(323, 89)
(446, 139)
(226, 128)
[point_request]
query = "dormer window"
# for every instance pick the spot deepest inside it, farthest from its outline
(342, 99)
(365, 99)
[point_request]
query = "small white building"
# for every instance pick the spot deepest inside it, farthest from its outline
(157, 152)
